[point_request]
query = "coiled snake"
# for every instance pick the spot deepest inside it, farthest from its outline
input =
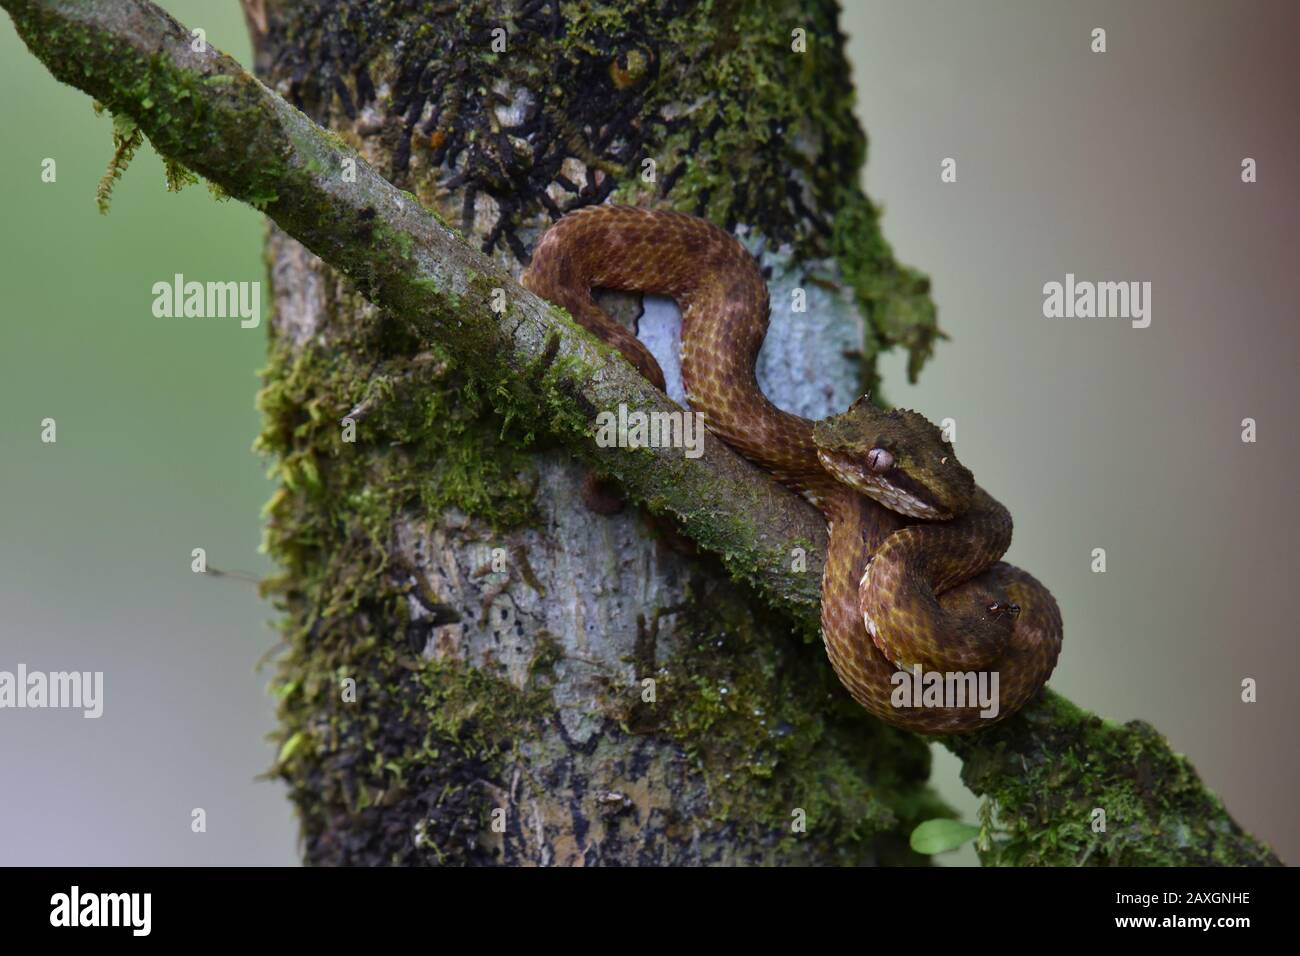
(912, 577)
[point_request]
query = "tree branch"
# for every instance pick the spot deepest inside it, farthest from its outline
(1044, 771)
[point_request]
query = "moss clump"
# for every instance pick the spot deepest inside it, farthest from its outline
(895, 298)
(1040, 811)
(422, 434)
(420, 735)
(397, 775)
(127, 138)
(776, 739)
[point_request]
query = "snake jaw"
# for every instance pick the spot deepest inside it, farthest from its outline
(895, 498)
(893, 489)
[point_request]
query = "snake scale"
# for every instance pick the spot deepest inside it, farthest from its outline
(912, 575)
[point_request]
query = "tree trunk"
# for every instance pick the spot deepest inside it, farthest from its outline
(534, 682)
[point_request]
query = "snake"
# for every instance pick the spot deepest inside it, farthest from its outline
(913, 584)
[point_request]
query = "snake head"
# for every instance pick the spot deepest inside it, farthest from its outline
(899, 458)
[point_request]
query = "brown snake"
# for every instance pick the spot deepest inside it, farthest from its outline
(912, 576)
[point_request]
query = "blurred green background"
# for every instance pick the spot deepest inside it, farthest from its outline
(156, 422)
(1119, 166)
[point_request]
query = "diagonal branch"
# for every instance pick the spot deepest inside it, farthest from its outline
(203, 110)
(1045, 771)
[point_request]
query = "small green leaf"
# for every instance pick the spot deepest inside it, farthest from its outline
(291, 745)
(940, 836)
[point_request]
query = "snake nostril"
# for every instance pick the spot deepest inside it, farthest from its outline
(998, 608)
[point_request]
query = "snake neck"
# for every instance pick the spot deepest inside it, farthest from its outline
(724, 305)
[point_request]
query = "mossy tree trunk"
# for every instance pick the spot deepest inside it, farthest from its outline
(536, 683)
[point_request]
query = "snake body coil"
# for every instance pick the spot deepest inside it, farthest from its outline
(912, 576)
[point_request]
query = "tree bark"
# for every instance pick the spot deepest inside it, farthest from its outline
(468, 649)
(603, 696)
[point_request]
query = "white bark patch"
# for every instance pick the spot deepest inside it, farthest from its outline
(514, 104)
(296, 286)
(596, 575)
(660, 330)
(575, 171)
(803, 366)
(486, 213)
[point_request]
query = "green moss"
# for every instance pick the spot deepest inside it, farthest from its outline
(153, 93)
(127, 138)
(178, 175)
(895, 298)
(1041, 812)
(420, 734)
(423, 435)
(482, 714)
(768, 727)
(407, 760)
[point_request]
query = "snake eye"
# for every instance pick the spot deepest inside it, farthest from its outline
(879, 460)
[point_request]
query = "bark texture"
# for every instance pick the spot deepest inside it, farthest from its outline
(585, 682)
